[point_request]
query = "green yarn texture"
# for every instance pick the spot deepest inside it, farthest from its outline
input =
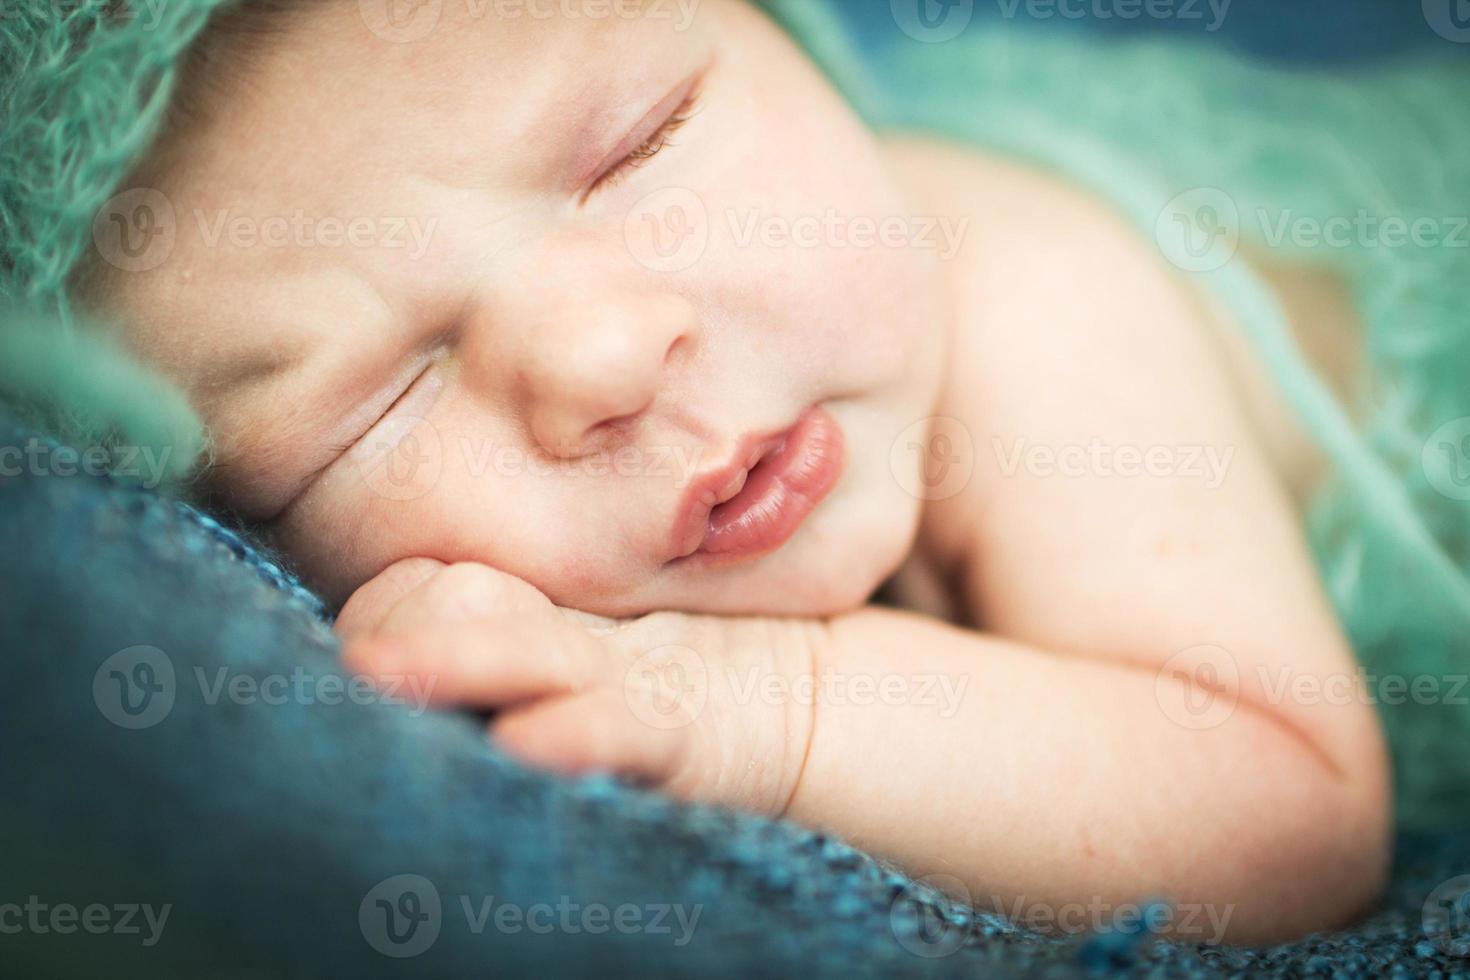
(85, 85)
(84, 88)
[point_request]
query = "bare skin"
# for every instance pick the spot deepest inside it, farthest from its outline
(1044, 749)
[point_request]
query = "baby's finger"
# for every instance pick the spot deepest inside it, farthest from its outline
(463, 593)
(371, 604)
(485, 664)
(595, 731)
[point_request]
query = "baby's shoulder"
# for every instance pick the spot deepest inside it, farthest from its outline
(1019, 220)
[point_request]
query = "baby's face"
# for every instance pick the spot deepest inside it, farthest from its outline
(567, 323)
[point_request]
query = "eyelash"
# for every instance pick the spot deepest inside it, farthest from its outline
(652, 146)
(338, 449)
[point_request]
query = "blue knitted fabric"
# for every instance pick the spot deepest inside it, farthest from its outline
(272, 830)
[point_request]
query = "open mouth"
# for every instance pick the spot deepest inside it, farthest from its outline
(757, 504)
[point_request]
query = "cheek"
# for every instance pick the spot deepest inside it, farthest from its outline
(813, 218)
(459, 486)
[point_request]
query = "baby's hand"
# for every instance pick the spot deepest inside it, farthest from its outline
(699, 706)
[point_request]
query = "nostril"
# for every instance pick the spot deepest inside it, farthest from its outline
(614, 431)
(678, 348)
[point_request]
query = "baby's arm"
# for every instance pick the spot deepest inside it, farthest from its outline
(1072, 768)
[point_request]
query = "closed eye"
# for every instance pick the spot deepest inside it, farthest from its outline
(641, 149)
(412, 398)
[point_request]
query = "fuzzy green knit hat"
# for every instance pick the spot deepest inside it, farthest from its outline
(84, 89)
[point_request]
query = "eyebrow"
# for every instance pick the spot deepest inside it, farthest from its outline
(252, 369)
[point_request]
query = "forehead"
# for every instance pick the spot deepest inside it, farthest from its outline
(475, 84)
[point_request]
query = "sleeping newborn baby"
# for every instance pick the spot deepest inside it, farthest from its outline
(685, 363)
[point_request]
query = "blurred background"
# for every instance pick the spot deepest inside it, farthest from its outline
(1301, 31)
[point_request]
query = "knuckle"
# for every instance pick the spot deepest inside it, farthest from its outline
(482, 588)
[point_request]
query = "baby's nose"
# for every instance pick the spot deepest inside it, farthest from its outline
(600, 363)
